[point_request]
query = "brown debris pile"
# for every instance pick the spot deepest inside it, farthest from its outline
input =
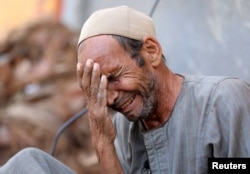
(39, 92)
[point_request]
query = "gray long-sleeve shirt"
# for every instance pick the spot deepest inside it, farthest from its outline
(211, 118)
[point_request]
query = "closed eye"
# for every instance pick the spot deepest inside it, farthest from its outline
(111, 78)
(114, 76)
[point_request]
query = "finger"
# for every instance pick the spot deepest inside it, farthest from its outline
(79, 72)
(85, 83)
(102, 92)
(95, 80)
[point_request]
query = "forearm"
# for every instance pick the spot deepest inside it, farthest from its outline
(108, 159)
(102, 129)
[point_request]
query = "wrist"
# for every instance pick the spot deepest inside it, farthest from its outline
(104, 146)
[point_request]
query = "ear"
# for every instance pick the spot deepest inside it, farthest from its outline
(152, 51)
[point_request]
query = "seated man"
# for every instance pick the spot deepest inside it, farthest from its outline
(165, 122)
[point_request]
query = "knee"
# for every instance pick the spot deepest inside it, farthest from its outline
(29, 152)
(23, 158)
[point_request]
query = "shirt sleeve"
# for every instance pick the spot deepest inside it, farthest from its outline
(226, 126)
(227, 129)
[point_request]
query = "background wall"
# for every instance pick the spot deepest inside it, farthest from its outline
(15, 13)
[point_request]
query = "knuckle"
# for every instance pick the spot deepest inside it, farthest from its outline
(94, 90)
(83, 85)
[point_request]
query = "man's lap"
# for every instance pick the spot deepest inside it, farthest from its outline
(32, 160)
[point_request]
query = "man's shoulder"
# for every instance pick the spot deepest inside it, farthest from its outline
(201, 79)
(214, 82)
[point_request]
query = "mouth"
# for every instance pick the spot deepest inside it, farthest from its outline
(128, 102)
(125, 106)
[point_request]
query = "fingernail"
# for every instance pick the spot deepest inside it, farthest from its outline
(78, 66)
(89, 62)
(104, 77)
(95, 66)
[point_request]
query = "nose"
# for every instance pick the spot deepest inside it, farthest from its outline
(112, 96)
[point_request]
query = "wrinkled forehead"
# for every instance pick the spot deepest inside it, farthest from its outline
(99, 48)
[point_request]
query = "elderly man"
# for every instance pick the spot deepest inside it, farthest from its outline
(165, 122)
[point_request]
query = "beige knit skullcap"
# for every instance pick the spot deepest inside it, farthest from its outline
(122, 20)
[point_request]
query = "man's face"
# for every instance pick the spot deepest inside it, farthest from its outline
(131, 89)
